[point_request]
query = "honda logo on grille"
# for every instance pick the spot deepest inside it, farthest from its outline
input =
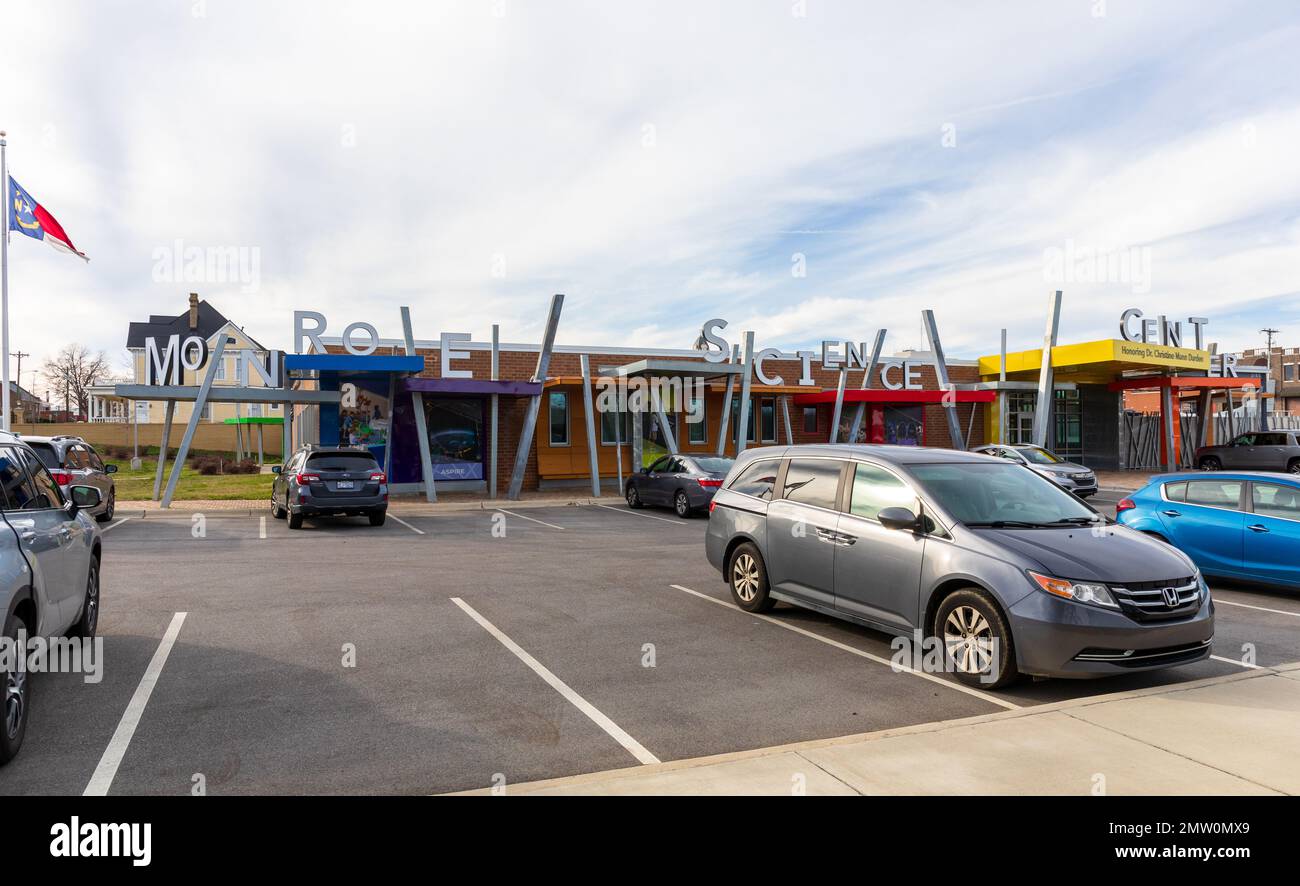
(1171, 597)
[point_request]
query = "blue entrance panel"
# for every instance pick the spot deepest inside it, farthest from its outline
(354, 363)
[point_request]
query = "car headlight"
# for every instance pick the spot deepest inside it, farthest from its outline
(1078, 591)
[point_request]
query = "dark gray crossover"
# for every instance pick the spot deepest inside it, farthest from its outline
(320, 481)
(686, 483)
(1256, 451)
(996, 570)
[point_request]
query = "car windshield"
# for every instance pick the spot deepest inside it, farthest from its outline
(1037, 456)
(45, 452)
(337, 461)
(1001, 496)
(714, 465)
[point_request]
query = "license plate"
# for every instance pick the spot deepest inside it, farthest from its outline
(346, 484)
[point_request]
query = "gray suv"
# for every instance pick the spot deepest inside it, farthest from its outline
(74, 462)
(993, 568)
(1068, 475)
(323, 480)
(49, 570)
(1257, 451)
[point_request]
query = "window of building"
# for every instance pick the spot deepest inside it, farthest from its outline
(812, 481)
(558, 409)
(767, 412)
(749, 425)
(221, 371)
(206, 414)
(810, 419)
(615, 423)
(1288, 371)
(697, 430)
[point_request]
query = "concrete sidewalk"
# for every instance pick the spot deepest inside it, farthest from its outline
(1224, 735)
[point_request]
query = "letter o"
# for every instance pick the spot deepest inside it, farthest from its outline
(200, 348)
(353, 349)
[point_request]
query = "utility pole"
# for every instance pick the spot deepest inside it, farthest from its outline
(20, 354)
(1268, 331)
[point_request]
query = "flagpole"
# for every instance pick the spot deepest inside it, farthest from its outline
(4, 285)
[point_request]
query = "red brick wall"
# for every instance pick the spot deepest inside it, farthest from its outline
(520, 365)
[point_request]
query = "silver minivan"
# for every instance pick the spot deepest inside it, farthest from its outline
(987, 563)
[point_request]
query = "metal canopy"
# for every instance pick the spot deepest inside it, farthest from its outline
(217, 394)
(693, 368)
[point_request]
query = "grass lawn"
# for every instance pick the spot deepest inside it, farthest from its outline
(138, 485)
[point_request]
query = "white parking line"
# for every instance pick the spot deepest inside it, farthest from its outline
(992, 699)
(1218, 599)
(629, 743)
(407, 525)
(261, 527)
(1240, 664)
(632, 513)
(105, 772)
(531, 519)
(114, 525)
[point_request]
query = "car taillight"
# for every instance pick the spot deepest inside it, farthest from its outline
(1125, 504)
(379, 476)
(712, 505)
(304, 479)
(63, 478)
(709, 483)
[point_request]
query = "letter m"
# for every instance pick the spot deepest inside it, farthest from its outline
(162, 369)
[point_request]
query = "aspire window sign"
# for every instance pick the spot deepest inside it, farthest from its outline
(455, 437)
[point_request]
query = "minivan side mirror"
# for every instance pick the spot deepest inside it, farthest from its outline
(84, 497)
(898, 518)
(110, 469)
(275, 469)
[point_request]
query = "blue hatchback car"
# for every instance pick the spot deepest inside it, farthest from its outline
(1233, 525)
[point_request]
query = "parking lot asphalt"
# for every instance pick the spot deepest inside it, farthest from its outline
(473, 648)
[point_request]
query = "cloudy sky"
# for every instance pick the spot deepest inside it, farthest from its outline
(808, 170)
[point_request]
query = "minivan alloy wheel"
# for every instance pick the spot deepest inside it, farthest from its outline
(744, 573)
(968, 638)
(15, 701)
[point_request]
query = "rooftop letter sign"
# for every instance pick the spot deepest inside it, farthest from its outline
(895, 374)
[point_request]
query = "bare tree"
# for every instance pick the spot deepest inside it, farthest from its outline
(72, 372)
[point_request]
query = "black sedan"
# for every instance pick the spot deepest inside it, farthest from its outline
(685, 483)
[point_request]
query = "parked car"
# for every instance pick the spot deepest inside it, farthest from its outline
(49, 569)
(1009, 573)
(74, 462)
(1233, 525)
(686, 483)
(320, 481)
(1256, 451)
(1068, 475)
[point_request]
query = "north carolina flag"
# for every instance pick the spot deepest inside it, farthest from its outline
(29, 217)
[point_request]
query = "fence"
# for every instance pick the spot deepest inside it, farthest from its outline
(1143, 430)
(207, 436)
